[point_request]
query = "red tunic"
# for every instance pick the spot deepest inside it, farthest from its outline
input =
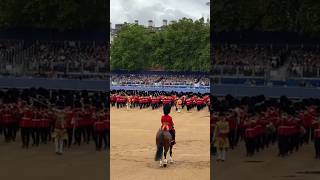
(250, 133)
(200, 101)
(154, 100)
(106, 124)
(188, 102)
(232, 123)
(317, 133)
(36, 123)
(99, 126)
(166, 122)
(166, 101)
(45, 123)
(7, 119)
(25, 123)
(307, 120)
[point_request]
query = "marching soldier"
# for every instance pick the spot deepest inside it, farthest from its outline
(59, 133)
(179, 105)
(221, 138)
(317, 138)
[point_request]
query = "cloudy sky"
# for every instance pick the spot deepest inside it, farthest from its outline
(156, 10)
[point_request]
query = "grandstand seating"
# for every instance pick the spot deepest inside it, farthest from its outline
(252, 64)
(53, 58)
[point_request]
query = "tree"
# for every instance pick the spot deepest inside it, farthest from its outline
(182, 46)
(54, 14)
(130, 50)
(300, 16)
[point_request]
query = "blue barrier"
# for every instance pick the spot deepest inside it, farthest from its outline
(186, 73)
(164, 88)
(260, 81)
(68, 84)
(54, 35)
(268, 91)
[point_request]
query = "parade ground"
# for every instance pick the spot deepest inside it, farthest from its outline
(266, 165)
(38, 163)
(133, 146)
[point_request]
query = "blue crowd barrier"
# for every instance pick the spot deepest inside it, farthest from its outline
(187, 73)
(268, 91)
(52, 83)
(205, 89)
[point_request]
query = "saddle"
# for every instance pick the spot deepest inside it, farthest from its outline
(165, 127)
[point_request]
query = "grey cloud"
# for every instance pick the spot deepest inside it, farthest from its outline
(144, 10)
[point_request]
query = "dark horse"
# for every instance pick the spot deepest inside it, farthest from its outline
(163, 140)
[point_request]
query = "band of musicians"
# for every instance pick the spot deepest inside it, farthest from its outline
(66, 127)
(281, 124)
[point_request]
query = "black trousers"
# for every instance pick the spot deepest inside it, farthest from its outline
(250, 146)
(44, 134)
(8, 132)
(232, 138)
(173, 134)
(317, 147)
(70, 136)
(25, 137)
(98, 140)
(35, 135)
(307, 135)
(106, 138)
(283, 145)
(78, 133)
(89, 132)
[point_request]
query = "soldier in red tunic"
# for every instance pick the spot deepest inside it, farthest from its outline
(167, 123)
(316, 123)
(250, 136)
(231, 118)
(307, 119)
(200, 103)
(189, 103)
(25, 125)
(99, 128)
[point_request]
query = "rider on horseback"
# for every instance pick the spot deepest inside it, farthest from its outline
(167, 123)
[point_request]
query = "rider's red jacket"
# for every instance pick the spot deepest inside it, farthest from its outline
(166, 122)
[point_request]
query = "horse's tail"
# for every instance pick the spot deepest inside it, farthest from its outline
(159, 148)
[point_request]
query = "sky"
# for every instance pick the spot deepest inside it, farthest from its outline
(156, 10)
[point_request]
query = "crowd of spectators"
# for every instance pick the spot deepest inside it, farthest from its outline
(37, 113)
(8, 48)
(305, 62)
(43, 58)
(159, 80)
(256, 60)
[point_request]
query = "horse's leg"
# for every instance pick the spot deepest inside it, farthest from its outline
(171, 159)
(165, 162)
(161, 163)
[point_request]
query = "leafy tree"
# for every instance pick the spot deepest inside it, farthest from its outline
(54, 14)
(182, 46)
(301, 16)
(130, 50)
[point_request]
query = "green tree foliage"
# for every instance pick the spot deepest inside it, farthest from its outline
(300, 16)
(54, 14)
(131, 49)
(182, 46)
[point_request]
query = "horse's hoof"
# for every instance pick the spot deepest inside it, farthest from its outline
(171, 160)
(165, 162)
